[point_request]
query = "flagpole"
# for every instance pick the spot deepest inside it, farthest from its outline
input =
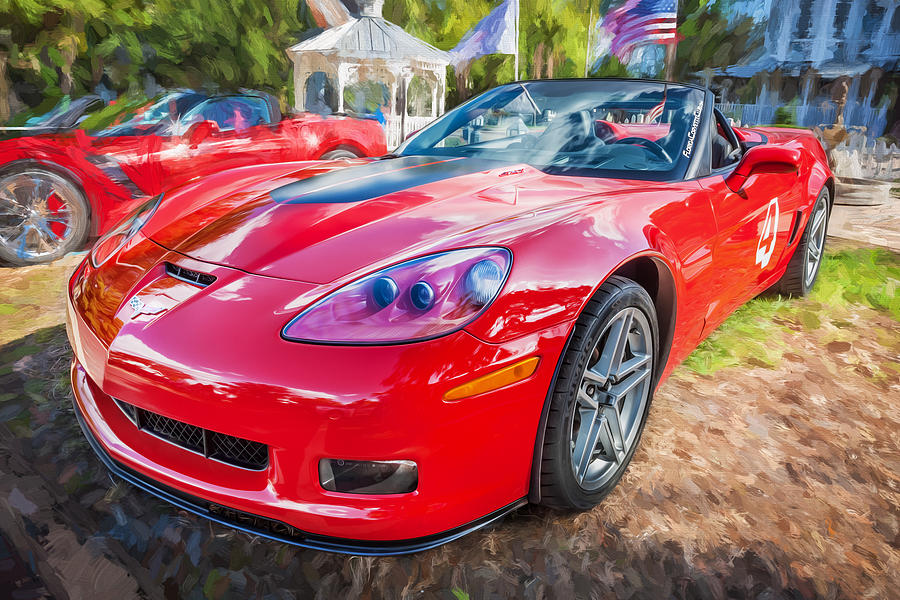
(672, 49)
(587, 51)
(516, 74)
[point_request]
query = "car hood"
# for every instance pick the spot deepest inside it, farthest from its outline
(322, 221)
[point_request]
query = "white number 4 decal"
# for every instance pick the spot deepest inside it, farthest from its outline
(766, 245)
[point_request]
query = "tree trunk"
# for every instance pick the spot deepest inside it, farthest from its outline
(537, 67)
(4, 88)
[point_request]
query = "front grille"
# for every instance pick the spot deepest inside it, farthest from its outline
(195, 277)
(211, 444)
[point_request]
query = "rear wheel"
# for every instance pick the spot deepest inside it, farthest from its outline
(804, 265)
(601, 397)
(43, 216)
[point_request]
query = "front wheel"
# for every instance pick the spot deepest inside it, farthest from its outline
(804, 265)
(601, 397)
(43, 216)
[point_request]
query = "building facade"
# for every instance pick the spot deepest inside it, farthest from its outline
(823, 62)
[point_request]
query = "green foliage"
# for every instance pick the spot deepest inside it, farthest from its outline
(866, 277)
(59, 47)
(65, 46)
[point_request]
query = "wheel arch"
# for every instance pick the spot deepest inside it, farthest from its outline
(653, 274)
(829, 183)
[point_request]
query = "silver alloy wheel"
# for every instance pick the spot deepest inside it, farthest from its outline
(612, 396)
(816, 243)
(38, 211)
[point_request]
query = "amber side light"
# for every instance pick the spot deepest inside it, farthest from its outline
(492, 381)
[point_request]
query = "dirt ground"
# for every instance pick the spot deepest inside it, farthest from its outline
(775, 478)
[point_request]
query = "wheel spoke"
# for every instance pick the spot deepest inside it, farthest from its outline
(814, 252)
(586, 400)
(586, 443)
(616, 447)
(614, 348)
(595, 378)
(632, 364)
(619, 390)
(818, 220)
(19, 242)
(6, 233)
(40, 191)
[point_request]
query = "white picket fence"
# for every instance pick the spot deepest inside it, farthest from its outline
(858, 158)
(823, 113)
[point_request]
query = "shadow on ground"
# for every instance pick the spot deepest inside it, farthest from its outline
(769, 481)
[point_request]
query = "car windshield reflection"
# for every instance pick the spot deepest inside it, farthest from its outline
(600, 128)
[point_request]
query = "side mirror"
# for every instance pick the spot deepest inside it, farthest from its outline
(763, 159)
(199, 131)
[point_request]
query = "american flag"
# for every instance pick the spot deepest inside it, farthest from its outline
(655, 112)
(641, 22)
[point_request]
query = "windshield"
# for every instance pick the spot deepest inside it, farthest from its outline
(156, 116)
(600, 128)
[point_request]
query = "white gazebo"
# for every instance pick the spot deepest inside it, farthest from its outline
(370, 65)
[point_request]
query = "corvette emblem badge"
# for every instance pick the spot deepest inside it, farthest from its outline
(766, 245)
(142, 308)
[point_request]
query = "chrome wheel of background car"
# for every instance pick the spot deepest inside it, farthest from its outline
(815, 245)
(339, 153)
(42, 216)
(611, 399)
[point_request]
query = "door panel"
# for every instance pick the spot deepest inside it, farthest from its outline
(754, 227)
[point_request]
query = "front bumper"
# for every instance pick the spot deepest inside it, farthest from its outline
(306, 402)
(277, 530)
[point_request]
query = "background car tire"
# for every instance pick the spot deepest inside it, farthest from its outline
(59, 223)
(339, 153)
(566, 483)
(801, 272)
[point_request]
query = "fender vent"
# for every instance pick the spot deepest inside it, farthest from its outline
(195, 277)
(224, 448)
(797, 217)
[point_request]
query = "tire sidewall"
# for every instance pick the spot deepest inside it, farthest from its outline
(574, 364)
(82, 228)
(807, 233)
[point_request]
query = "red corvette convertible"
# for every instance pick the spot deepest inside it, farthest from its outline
(59, 189)
(382, 355)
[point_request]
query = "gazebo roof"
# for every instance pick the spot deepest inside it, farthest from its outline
(367, 37)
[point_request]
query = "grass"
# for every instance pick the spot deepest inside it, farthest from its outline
(753, 334)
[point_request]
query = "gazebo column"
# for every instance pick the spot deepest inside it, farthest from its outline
(434, 98)
(345, 75)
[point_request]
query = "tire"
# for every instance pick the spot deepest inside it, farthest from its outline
(582, 404)
(801, 273)
(339, 153)
(43, 215)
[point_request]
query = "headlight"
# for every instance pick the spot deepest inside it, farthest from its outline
(415, 300)
(113, 241)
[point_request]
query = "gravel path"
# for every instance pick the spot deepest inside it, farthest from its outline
(754, 481)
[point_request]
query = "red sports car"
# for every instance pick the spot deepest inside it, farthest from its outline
(57, 190)
(378, 356)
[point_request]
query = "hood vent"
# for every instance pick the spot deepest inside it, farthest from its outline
(195, 277)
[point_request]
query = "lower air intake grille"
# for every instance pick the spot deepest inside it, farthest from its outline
(219, 446)
(196, 277)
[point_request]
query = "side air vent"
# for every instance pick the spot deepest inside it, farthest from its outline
(235, 451)
(195, 277)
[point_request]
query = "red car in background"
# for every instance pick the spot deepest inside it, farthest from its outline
(380, 356)
(60, 189)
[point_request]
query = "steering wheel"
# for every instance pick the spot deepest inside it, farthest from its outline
(650, 145)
